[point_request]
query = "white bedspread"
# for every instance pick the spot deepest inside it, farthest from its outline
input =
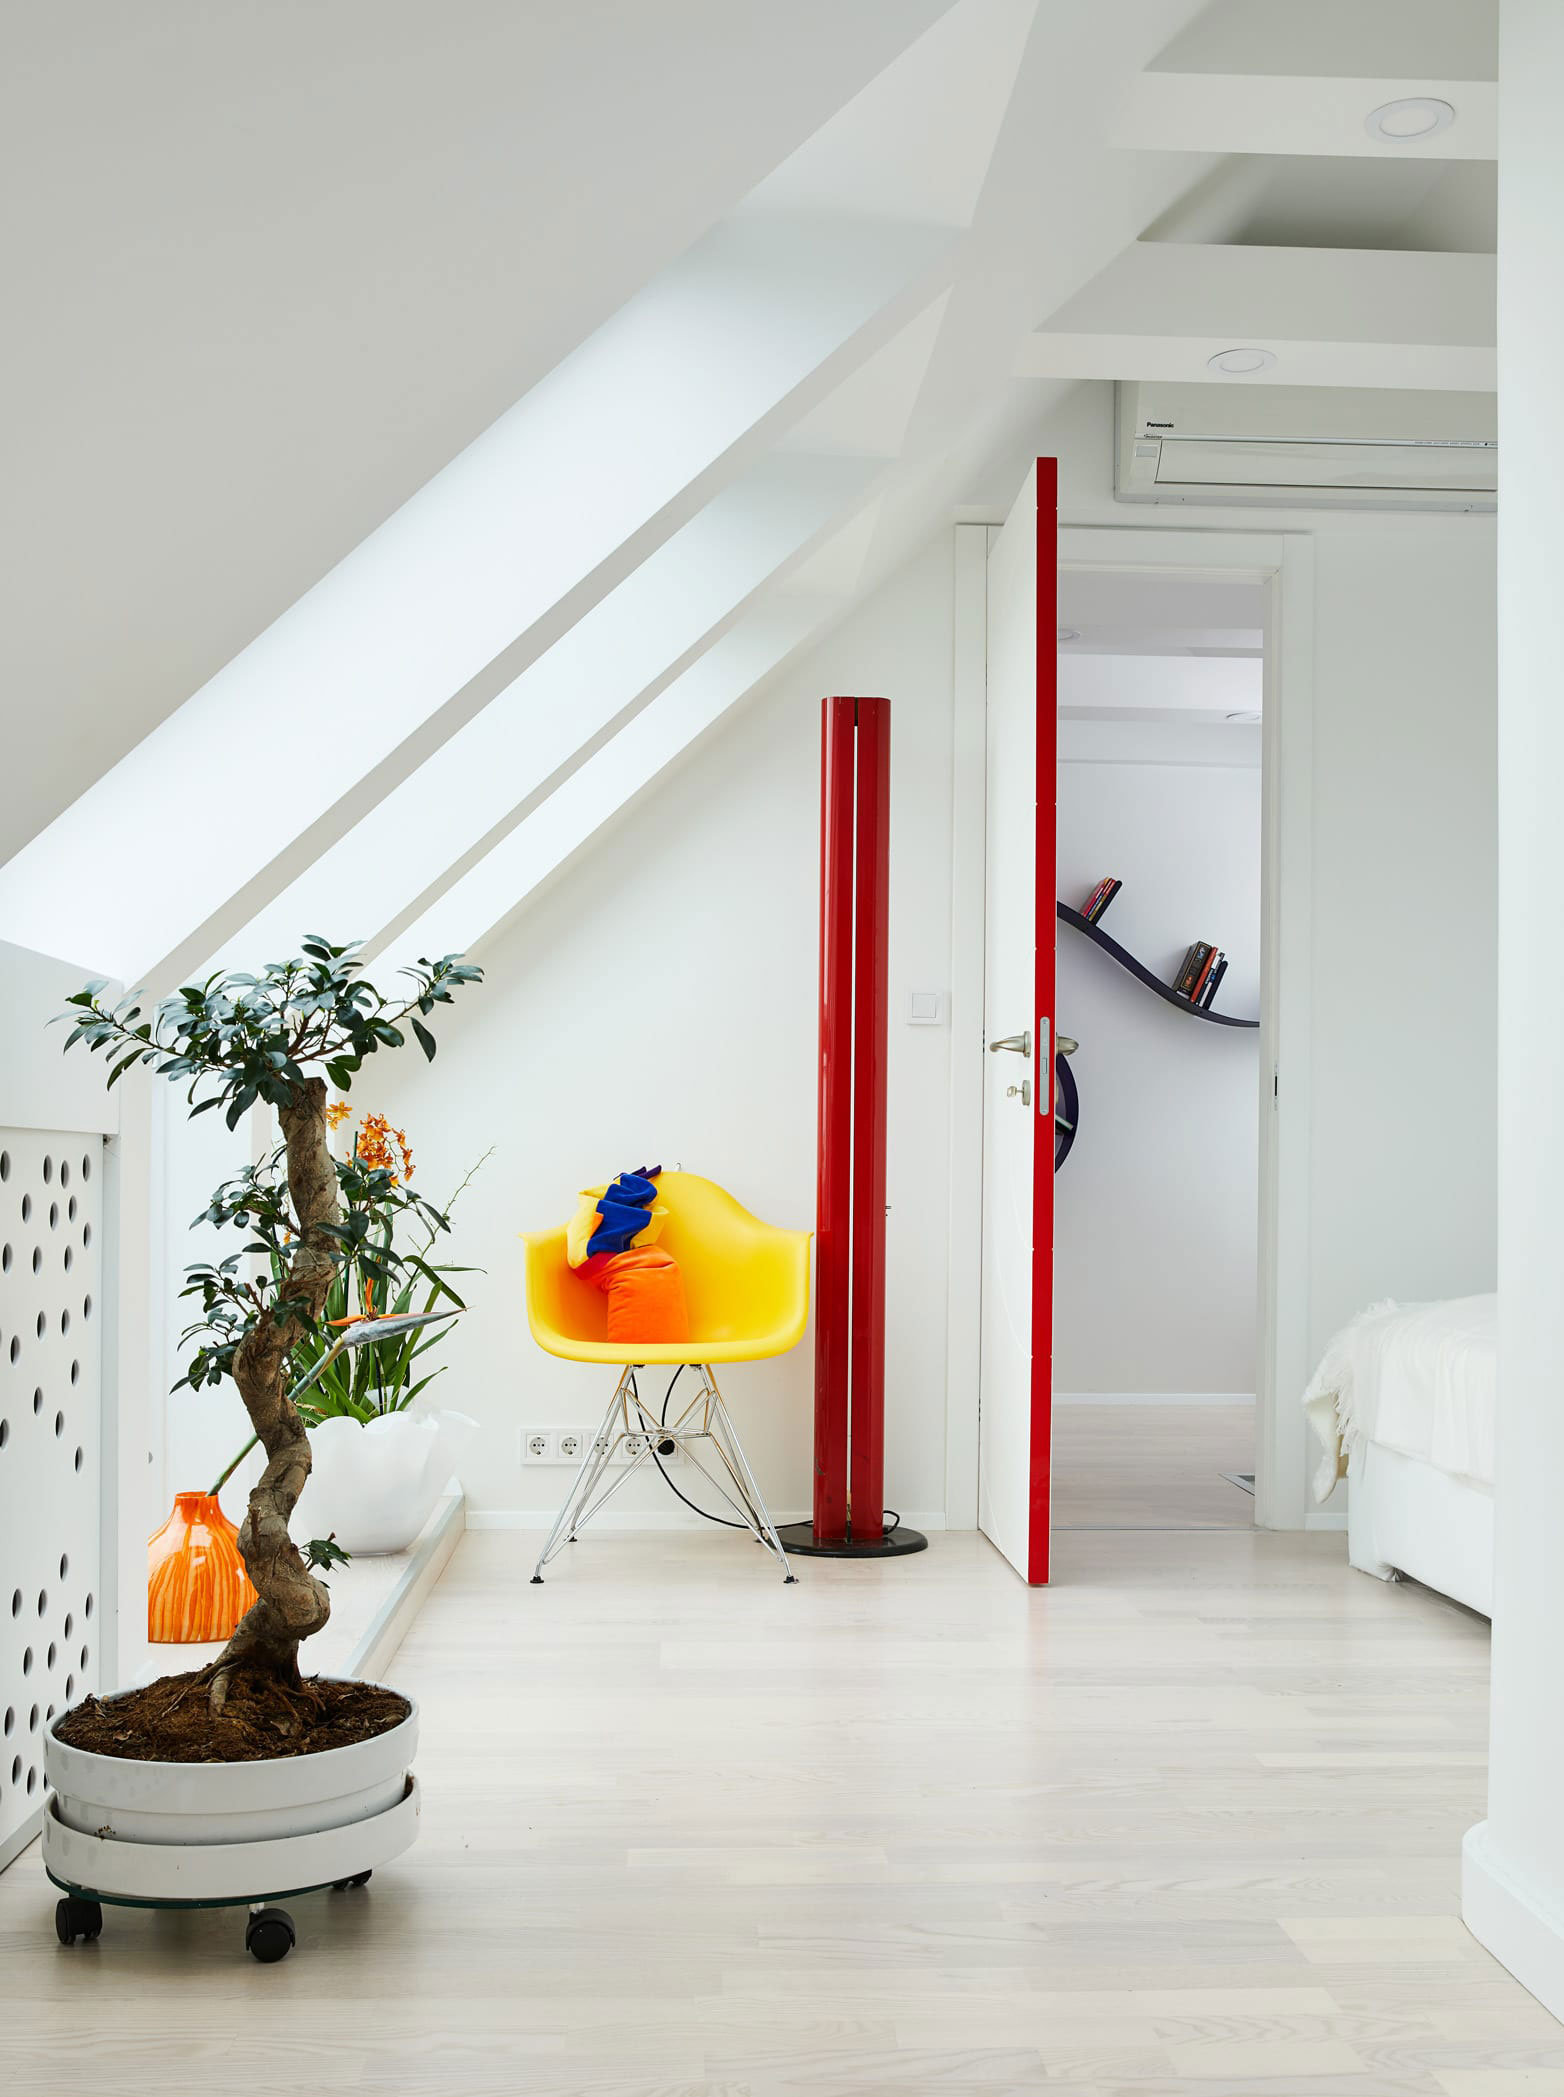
(1420, 1378)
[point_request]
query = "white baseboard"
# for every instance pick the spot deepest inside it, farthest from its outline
(630, 1519)
(1521, 1927)
(1153, 1398)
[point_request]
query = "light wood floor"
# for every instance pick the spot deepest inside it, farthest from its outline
(1151, 1466)
(1187, 1821)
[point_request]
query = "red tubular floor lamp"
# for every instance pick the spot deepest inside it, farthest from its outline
(855, 809)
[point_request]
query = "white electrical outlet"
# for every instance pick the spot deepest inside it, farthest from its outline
(538, 1445)
(569, 1445)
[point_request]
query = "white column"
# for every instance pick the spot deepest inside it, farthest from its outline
(1513, 1879)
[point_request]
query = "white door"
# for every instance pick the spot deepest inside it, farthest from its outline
(1016, 1393)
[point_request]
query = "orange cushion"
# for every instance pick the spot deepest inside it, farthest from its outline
(645, 1292)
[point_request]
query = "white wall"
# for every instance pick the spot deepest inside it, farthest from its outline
(1405, 918)
(1154, 1259)
(659, 1002)
(1513, 1883)
(688, 935)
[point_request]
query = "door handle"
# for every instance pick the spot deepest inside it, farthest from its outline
(1020, 1043)
(1066, 1046)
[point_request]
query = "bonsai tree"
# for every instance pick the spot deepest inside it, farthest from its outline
(279, 1037)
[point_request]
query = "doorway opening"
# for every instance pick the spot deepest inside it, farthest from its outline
(1159, 859)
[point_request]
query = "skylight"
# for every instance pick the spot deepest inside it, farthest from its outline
(598, 789)
(491, 770)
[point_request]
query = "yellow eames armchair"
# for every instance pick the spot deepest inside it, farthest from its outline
(746, 1284)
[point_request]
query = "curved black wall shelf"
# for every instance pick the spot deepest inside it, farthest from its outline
(1142, 974)
(1067, 1111)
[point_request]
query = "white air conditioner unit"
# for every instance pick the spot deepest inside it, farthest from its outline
(1306, 447)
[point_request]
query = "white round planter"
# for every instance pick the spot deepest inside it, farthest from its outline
(227, 1830)
(373, 1487)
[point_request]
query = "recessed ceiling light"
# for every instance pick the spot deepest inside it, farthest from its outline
(1413, 117)
(1241, 363)
(1068, 633)
(1245, 713)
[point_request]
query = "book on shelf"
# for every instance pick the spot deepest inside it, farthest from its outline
(1213, 982)
(1099, 899)
(1192, 967)
(1198, 995)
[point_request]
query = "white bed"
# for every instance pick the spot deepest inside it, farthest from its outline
(1404, 1403)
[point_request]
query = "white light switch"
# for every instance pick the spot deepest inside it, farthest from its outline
(924, 1007)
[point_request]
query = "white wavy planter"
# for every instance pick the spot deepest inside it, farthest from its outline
(212, 1831)
(373, 1487)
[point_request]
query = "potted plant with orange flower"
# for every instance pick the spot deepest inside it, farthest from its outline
(382, 1453)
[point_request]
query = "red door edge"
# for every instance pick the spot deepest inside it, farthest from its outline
(1043, 1021)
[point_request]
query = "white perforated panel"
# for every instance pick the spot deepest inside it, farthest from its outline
(51, 1232)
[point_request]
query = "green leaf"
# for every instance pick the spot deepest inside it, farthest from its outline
(425, 1039)
(433, 1275)
(321, 1553)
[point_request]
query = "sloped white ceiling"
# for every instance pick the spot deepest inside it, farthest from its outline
(485, 566)
(488, 564)
(270, 267)
(795, 357)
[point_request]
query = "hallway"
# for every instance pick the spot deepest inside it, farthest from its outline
(1152, 1466)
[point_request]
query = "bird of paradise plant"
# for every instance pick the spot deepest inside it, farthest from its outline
(379, 1376)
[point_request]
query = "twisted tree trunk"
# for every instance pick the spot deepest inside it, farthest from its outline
(292, 1603)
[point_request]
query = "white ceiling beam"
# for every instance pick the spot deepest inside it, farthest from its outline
(1305, 114)
(1248, 79)
(1458, 39)
(1332, 317)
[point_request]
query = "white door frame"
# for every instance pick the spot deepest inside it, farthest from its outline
(1283, 562)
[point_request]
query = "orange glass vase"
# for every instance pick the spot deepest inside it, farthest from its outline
(197, 1587)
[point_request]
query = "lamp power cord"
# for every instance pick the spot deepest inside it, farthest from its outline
(892, 1518)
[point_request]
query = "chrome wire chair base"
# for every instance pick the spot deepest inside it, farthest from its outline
(630, 1436)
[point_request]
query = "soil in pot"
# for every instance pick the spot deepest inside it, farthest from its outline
(168, 1720)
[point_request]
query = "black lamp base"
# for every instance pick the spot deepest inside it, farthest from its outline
(899, 1542)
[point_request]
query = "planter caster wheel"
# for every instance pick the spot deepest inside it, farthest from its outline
(268, 1935)
(359, 1878)
(77, 1919)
